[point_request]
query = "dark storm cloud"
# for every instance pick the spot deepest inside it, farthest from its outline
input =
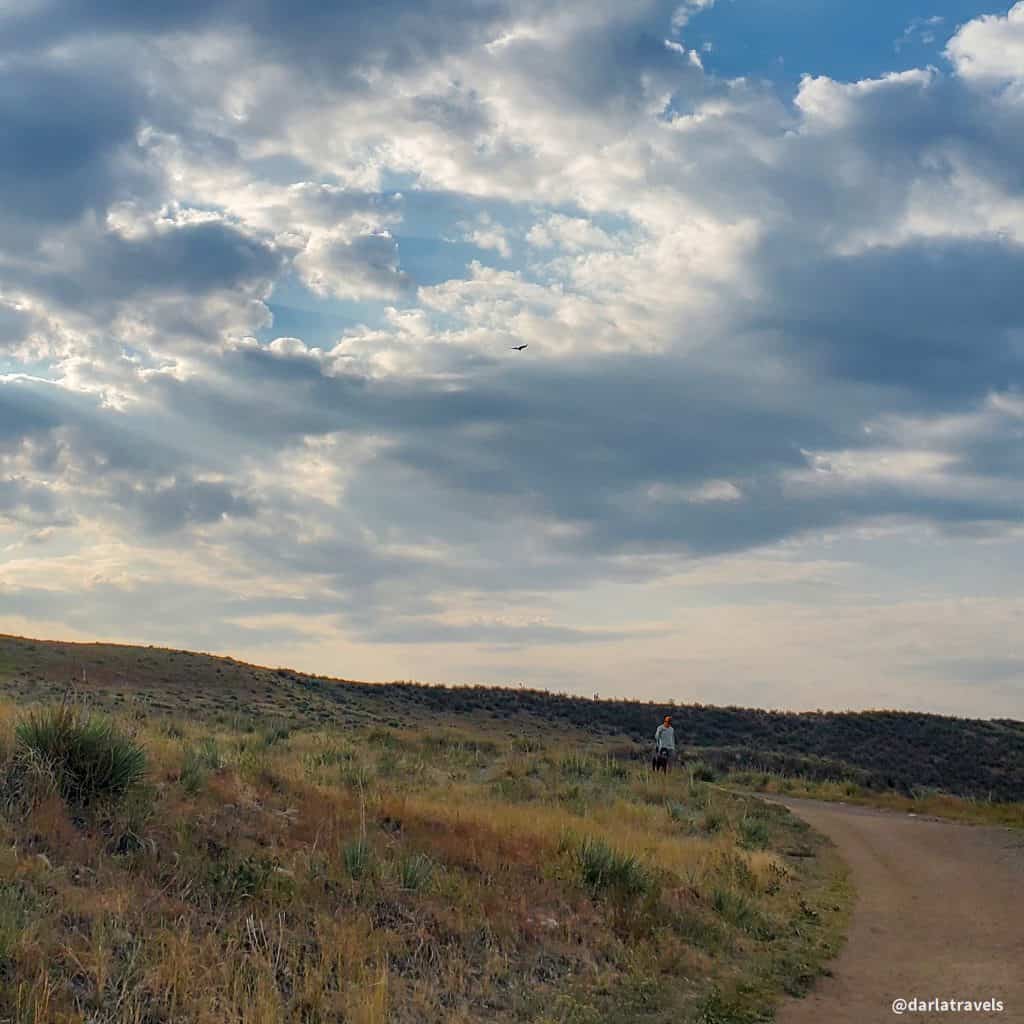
(164, 507)
(191, 260)
(68, 140)
(936, 318)
(195, 258)
(565, 444)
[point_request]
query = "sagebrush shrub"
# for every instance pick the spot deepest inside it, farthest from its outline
(89, 758)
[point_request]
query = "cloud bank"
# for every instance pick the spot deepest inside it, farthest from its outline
(773, 382)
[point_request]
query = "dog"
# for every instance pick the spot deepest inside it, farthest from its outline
(660, 761)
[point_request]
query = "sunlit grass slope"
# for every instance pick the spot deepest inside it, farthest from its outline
(262, 872)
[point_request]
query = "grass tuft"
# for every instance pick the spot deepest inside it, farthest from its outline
(603, 869)
(415, 873)
(357, 857)
(89, 758)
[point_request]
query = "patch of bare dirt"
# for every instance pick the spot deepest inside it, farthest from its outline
(939, 914)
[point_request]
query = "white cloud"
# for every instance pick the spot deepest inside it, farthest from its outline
(572, 234)
(990, 50)
(360, 267)
(708, 491)
(486, 234)
(686, 11)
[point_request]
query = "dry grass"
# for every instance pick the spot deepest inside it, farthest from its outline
(929, 803)
(269, 874)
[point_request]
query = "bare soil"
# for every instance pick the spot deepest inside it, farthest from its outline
(939, 914)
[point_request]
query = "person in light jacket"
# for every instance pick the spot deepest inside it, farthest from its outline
(665, 742)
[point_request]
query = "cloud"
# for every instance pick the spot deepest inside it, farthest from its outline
(15, 323)
(755, 320)
(989, 50)
(193, 259)
(685, 11)
(70, 142)
(924, 29)
(898, 316)
(366, 266)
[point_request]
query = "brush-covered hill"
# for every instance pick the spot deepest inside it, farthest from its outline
(877, 749)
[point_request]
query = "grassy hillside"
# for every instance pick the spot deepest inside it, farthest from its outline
(261, 872)
(878, 750)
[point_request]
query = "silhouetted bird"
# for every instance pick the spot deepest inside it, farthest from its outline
(517, 348)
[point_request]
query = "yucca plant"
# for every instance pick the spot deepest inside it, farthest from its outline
(604, 869)
(415, 872)
(89, 757)
(358, 858)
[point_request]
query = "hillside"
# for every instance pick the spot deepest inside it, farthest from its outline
(878, 749)
(165, 869)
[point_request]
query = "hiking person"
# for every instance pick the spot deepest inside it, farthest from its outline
(665, 744)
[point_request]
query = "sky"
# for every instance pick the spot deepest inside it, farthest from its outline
(262, 266)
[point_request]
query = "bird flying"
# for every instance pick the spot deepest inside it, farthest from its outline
(517, 348)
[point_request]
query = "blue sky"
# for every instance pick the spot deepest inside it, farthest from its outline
(784, 39)
(262, 267)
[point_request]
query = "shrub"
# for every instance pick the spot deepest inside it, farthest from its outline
(677, 811)
(604, 869)
(248, 878)
(88, 757)
(614, 769)
(576, 766)
(753, 832)
(718, 1008)
(27, 781)
(713, 820)
(701, 771)
(199, 762)
(739, 911)
(275, 732)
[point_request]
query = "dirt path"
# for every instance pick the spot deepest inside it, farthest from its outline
(939, 915)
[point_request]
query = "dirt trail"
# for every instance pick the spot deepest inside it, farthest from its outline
(939, 915)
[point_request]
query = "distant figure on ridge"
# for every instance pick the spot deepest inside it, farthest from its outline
(665, 745)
